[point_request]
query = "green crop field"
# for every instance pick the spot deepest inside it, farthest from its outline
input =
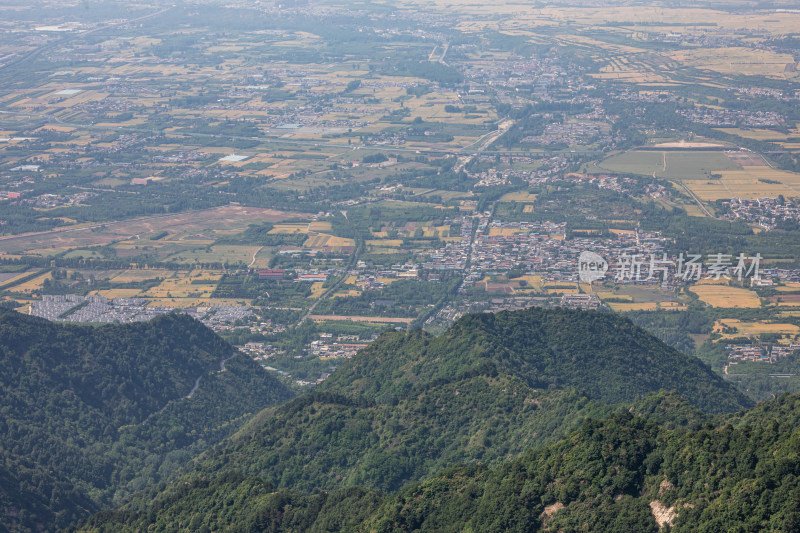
(674, 165)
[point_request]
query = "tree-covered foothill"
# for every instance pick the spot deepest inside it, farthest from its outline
(92, 414)
(401, 411)
(622, 473)
(492, 387)
(324, 441)
(601, 353)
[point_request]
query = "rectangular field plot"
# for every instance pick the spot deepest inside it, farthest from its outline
(725, 296)
(669, 164)
(749, 183)
(753, 328)
(218, 254)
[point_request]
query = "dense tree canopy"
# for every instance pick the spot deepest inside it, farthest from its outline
(91, 414)
(739, 473)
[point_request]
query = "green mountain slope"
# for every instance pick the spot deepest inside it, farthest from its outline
(324, 441)
(740, 475)
(603, 354)
(412, 404)
(486, 391)
(620, 474)
(90, 414)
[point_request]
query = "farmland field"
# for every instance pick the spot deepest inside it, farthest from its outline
(755, 328)
(755, 133)
(221, 153)
(749, 182)
(209, 222)
(522, 197)
(217, 254)
(726, 296)
(623, 306)
(674, 165)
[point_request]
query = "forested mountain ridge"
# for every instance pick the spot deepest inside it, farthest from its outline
(603, 354)
(412, 404)
(324, 441)
(620, 474)
(402, 410)
(90, 414)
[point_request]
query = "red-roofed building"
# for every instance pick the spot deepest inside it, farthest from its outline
(272, 274)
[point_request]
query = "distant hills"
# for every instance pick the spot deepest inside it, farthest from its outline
(489, 393)
(90, 414)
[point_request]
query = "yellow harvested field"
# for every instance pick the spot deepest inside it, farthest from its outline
(319, 226)
(757, 134)
(672, 306)
(118, 293)
(520, 196)
(429, 231)
(527, 209)
(608, 294)
(746, 183)
(324, 240)
(550, 290)
(179, 303)
(735, 60)
(317, 289)
(208, 275)
(343, 294)
(182, 287)
(621, 307)
(505, 232)
(56, 127)
(754, 328)
(46, 251)
(135, 275)
(289, 228)
(10, 281)
(686, 144)
(32, 285)
(377, 250)
(534, 282)
(726, 296)
(614, 48)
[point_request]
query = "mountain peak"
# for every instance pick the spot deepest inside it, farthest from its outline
(606, 355)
